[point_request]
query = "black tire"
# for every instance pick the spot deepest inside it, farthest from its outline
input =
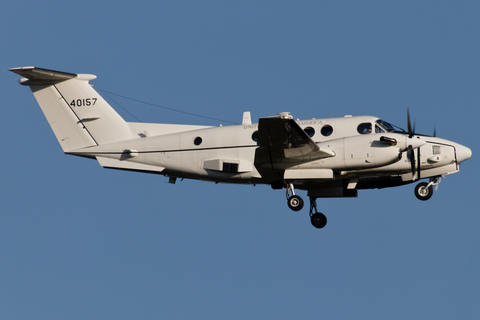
(295, 203)
(318, 220)
(423, 193)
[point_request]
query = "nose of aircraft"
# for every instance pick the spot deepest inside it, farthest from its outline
(463, 153)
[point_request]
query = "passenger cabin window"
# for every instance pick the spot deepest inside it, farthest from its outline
(326, 130)
(310, 131)
(197, 141)
(364, 128)
(255, 136)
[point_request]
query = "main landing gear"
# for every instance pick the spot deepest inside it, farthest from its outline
(317, 219)
(424, 191)
(296, 203)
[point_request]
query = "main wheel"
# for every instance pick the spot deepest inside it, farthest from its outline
(295, 203)
(318, 220)
(422, 192)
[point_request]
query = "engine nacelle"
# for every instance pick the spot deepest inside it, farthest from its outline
(368, 151)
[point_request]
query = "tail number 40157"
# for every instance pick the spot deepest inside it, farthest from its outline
(83, 102)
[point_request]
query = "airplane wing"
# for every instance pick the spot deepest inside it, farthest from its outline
(282, 142)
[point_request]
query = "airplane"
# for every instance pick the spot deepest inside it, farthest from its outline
(332, 157)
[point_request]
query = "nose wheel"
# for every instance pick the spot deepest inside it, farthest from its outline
(424, 191)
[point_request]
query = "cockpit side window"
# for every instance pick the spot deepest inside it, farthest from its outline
(389, 127)
(364, 128)
(378, 129)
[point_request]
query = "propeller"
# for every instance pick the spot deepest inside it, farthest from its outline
(418, 160)
(410, 150)
(411, 156)
(411, 132)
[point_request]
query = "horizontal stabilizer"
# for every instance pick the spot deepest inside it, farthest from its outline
(42, 75)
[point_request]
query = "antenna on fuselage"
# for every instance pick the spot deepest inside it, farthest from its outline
(247, 118)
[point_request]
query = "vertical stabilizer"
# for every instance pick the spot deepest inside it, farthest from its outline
(77, 114)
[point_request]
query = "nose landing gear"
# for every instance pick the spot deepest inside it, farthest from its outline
(424, 191)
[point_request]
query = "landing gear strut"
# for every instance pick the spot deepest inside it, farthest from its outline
(294, 202)
(318, 219)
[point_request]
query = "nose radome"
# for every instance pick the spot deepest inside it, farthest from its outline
(463, 153)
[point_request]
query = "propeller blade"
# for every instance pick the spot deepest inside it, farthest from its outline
(418, 160)
(411, 156)
(434, 131)
(410, 150)
(410, 131)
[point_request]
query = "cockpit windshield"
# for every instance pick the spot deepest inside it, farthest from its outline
(389, 127)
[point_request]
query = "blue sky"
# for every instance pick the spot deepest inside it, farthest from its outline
(81, 242)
